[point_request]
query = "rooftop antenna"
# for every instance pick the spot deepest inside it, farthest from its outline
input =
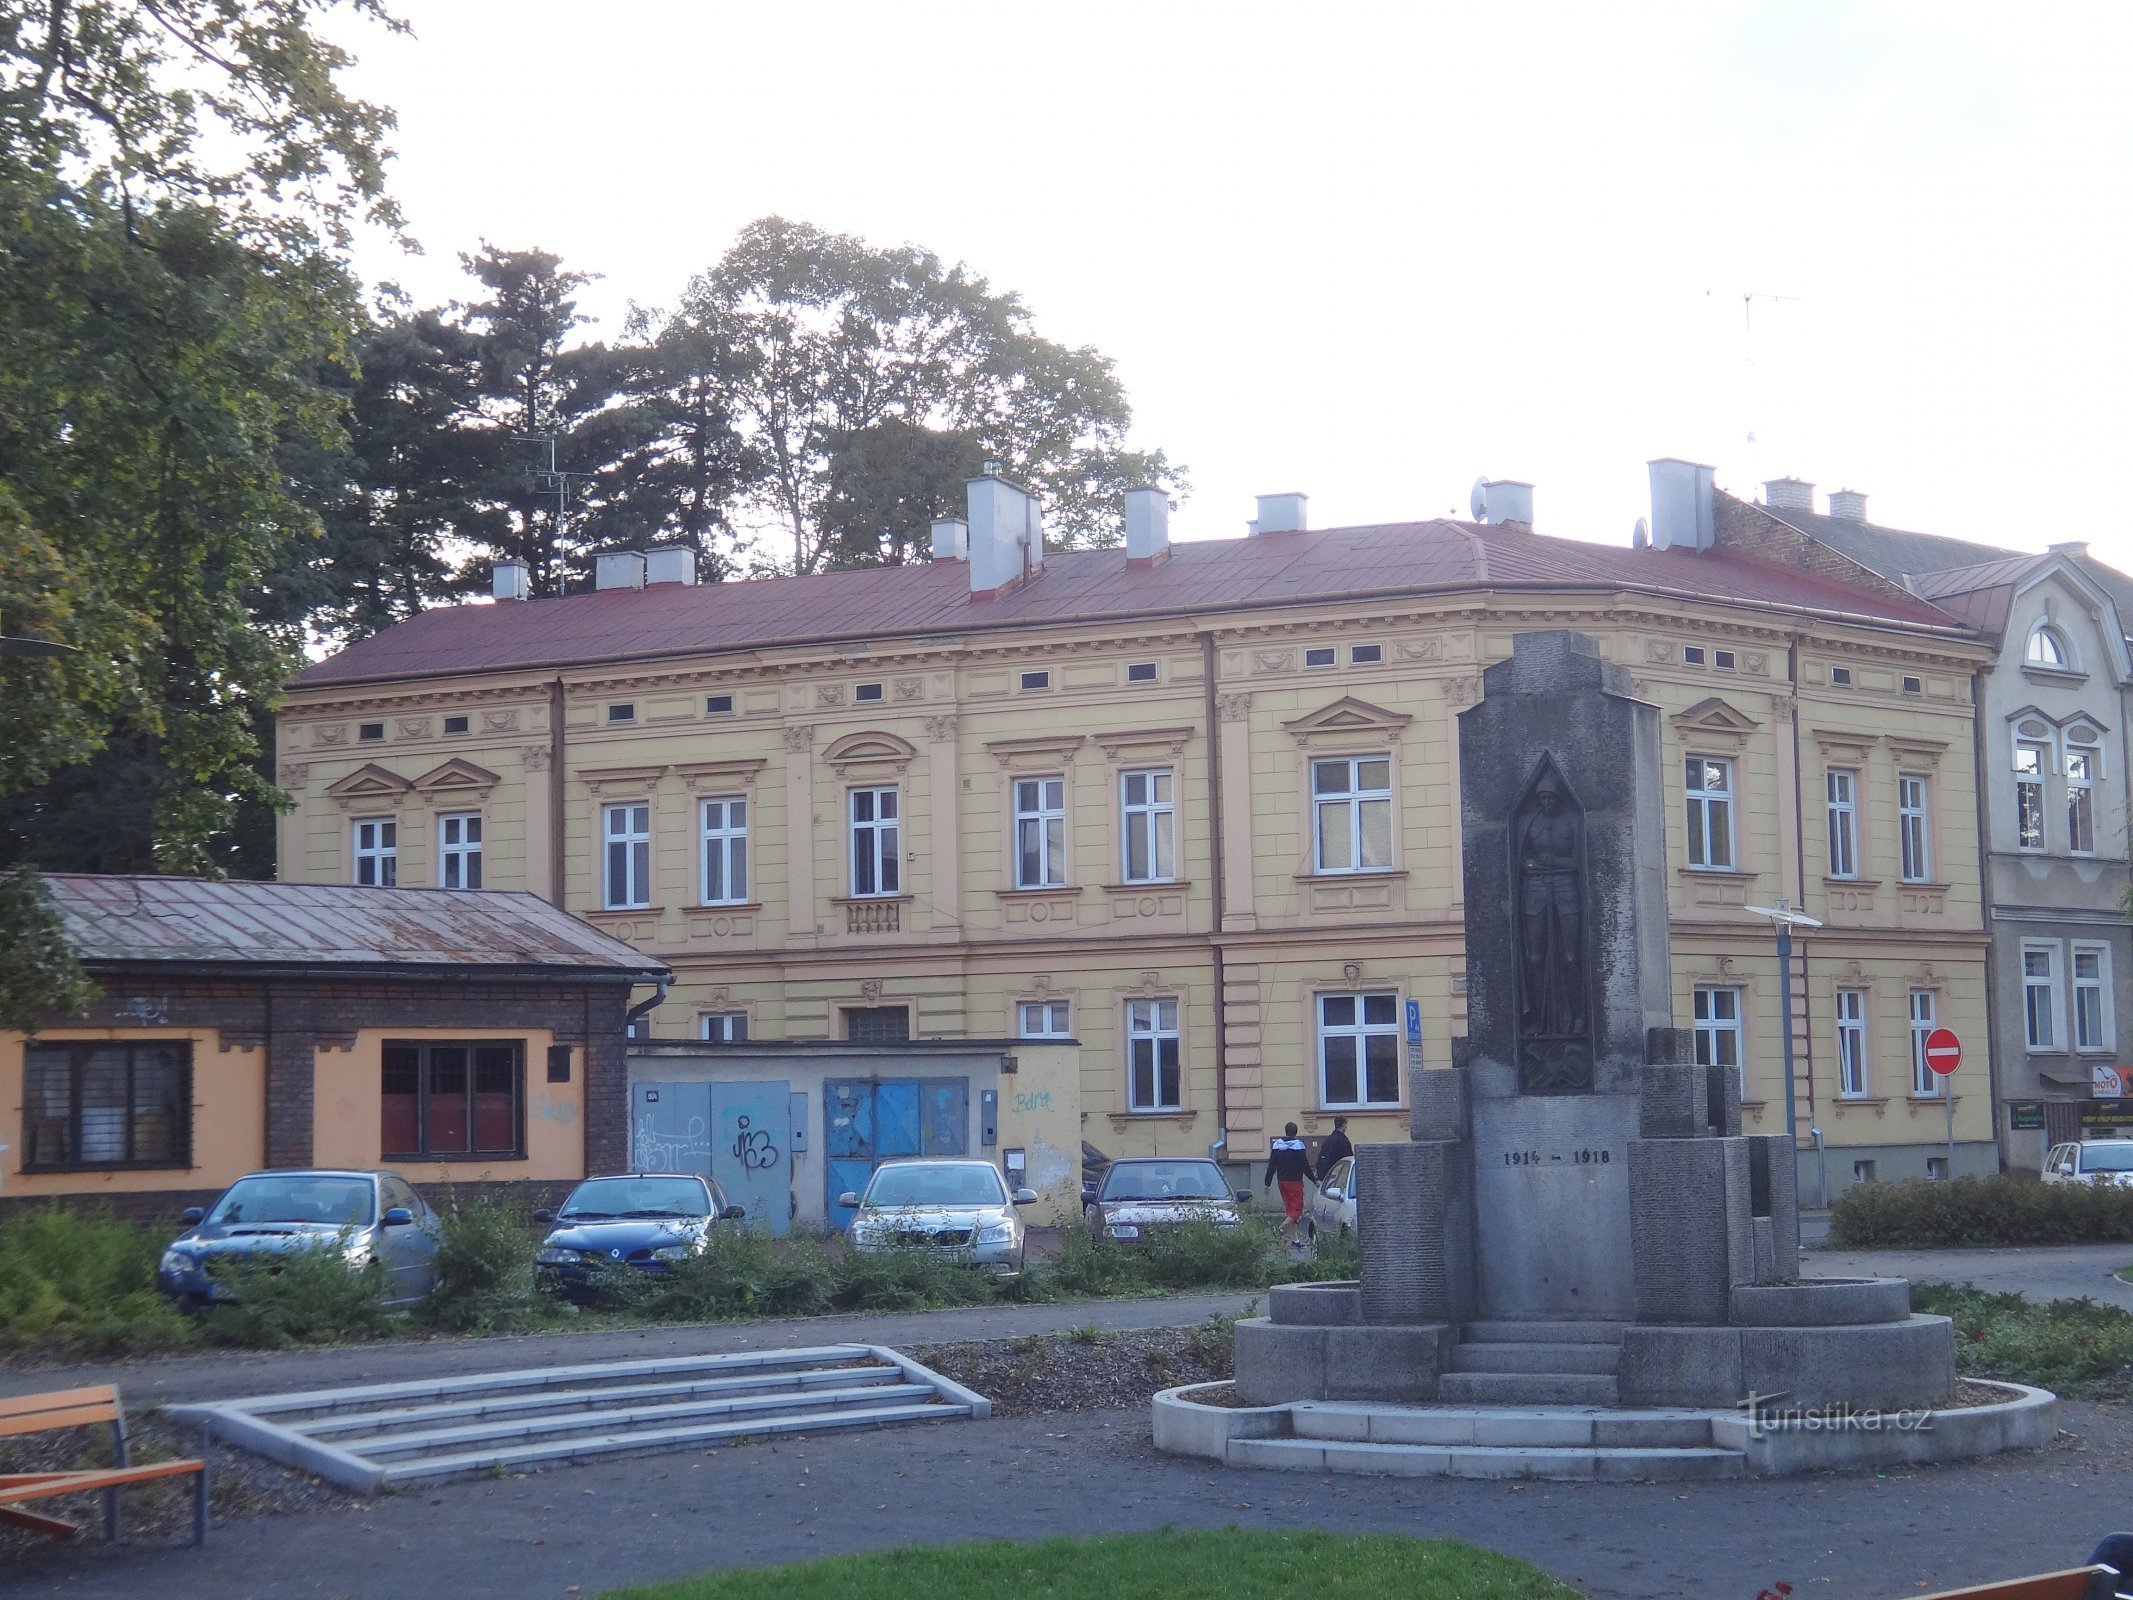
(550, 479)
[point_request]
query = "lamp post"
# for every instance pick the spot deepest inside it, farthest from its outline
(1784, 919)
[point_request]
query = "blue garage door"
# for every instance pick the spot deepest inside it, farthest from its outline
(870, 1120)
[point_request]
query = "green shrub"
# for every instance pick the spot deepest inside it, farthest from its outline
(1198, 1254)
(1335, 1258)
(2073, 1346)
(309, 1295)
(740, 1274)
(904, 1280)
(2003, 1209)
(84, 1282)
(1086, 1270)
(484, 1269)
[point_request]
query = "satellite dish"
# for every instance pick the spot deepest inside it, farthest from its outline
(1479, 500)
(1640, 537)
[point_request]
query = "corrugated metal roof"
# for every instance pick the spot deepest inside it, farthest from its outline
(1075, 586)
(196, 921)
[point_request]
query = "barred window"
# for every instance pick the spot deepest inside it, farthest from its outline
(107, 1104)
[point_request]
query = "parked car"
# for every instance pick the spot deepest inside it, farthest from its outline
(1094, 1164)
(2106, 1161)
(643, 1220)
(366, 1216)
(1332, 1205)
(941, 1203)
(1141, 1194)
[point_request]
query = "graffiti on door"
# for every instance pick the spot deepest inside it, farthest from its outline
(754, 1148)
(674, 1145)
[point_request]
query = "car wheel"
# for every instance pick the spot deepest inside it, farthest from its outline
(1311, 1229)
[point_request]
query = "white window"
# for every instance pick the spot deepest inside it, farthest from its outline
(628, 831)
(1912, 828)
(1851, 1042)
(1924, 1012)
(2092, 997)
(725, 851)
(1842, 785)
(2084, 764)
(726, 1027)
(2047, 648)
(1352, 813)
(1149, 805)
(1710, 791)
(1718, 1033)
(1358, 1050)
(2040, 994)
(876, 860)
(1153, 1080)
(1043, 1019)
(1040, 833)
(459, 850)
(2031, 760)
(377, 851)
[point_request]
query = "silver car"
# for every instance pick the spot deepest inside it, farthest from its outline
(370, 1218)
(2101, 1161)
(1332, 1205)
(936, 1203)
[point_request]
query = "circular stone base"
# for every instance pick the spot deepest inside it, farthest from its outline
(1822, 1302)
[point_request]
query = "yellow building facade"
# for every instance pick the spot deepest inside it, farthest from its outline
(1214, 841)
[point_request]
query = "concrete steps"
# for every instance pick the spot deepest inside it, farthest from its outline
(1535, 1357)
(1528, 1388)
(1533, 1364)
(1448, 1441)
(1480, 1461)
(384, 1435)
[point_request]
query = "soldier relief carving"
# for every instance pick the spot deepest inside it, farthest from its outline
(1555, 1052)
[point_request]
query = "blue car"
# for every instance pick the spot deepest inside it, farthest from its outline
(371, 1219)
(642, 1220)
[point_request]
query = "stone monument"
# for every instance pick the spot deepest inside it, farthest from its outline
(1577, 1218)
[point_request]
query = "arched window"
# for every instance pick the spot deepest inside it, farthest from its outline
(2047, 648)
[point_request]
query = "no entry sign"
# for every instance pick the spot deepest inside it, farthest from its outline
(1944, 1052)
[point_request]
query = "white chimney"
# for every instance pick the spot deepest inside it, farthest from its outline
(618, 569)
(1006, 534)
(1281, 513)
(510, 580)
(670, 563)
(1498, 500)
(951, 539)
(1847, 505)
(1682, 505)
(1789, 494)
(1147, 526)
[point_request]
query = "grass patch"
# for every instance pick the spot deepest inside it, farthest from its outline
(2001, 1209)
(1232, 1564)
(2077, 1347)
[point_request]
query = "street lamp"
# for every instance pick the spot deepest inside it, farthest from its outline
(1784, 919)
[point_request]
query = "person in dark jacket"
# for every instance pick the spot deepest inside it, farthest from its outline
(1288, 1165)
(1335, 1149)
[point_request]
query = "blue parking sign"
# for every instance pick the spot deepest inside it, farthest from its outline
(1414, 1022)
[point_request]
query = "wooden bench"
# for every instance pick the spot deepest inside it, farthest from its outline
(84, 1408)
(2077, 1583)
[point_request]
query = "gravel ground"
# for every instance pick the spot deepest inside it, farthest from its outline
(1085, 1370)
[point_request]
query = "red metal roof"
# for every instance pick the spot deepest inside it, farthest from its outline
(190, 921)
(1272, 569)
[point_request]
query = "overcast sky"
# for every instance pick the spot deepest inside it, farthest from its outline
(1375, 251)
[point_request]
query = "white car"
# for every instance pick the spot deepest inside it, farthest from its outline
(1331, 1208)
(958, 1206)
(2091, 1161)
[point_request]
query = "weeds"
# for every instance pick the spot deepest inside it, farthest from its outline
(2073, 1346)
(484, 1269)
(83, 1283)
(1214, 1342)
(310, 1294)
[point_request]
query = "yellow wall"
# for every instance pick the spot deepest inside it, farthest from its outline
(347, 1096)
(229, 1118)
(1040, 1114)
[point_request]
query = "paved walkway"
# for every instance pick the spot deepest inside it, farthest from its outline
(2043, 1272)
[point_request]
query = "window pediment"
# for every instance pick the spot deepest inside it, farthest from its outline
(457, 779)
(601, 780)
(870, 748)
(369, 784)
(1144, 742)
(718, 774)
(1849, 749)
(1917, 752)
(1713, 723)
(1346, 720)
(1045, 750)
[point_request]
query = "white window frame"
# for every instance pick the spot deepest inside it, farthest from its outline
(1152, 820)
(1841, 790)
(2103, 1035)
(875, 842)
(377, 851)
(626, 855)
(1043, 1019)
(1713, 1029)
(1704, 802)
(1153, 1024)
(2045, 636)
(2084, 765)
(722, 826)
(1040, 841)
(1853, 1066)
(2043, 1022)
(723, 1027)
(2029, 788)
(459, 850)
(1914, 827)
(1361, 1031)
(1926, 1084)
(1339, 814)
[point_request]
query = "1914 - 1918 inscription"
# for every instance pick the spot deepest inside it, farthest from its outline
(1583, 1156)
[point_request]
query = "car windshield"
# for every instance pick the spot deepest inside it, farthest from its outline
(293, 1197)
(1166, 1180)
(607, 1198)
(962, 1184)
(2107, 1157)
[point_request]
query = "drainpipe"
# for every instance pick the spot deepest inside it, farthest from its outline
(1218, 902)
(1799, 857)
(555, 792)
(1994, 1088)
(663, 983)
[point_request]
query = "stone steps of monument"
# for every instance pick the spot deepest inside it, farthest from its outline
(1528, 1388)
(1551, 1427)
(1544, 1332)
(1548, 1359)
(1484, 1461)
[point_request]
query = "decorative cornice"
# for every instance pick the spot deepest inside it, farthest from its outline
(873, 747)
(1057, 747)
(1172, 740)
(697, 774)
